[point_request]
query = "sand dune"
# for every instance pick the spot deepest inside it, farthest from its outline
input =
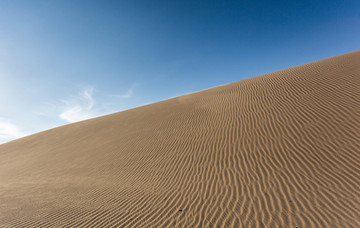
(278, 150)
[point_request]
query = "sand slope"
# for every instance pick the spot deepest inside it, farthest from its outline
(278, 150)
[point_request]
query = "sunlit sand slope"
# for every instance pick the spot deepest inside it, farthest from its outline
(278, 150)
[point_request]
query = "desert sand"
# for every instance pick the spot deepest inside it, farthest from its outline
(277, 150)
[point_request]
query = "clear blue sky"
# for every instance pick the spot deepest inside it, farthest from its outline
(68, 60)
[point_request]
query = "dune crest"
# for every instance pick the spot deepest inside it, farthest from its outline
(278, 150)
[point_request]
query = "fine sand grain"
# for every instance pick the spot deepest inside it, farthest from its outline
(278, 150)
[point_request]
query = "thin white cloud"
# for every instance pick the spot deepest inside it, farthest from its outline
(9, 131)
(80, 107)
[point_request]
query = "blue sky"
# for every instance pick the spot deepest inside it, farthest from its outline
(68, 60)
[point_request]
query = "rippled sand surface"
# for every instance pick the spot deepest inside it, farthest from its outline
(278, 150)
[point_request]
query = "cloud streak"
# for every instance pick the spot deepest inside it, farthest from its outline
(80, 107)
(9, 131)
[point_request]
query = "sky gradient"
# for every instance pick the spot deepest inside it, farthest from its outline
(66, 61)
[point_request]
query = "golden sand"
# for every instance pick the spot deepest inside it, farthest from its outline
(278, 150)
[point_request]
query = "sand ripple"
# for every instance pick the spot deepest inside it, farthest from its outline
(278, 150)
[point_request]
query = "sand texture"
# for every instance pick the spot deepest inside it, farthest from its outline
(278, 150)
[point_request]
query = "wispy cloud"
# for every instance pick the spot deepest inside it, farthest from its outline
(9, 131)
(80, 107)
